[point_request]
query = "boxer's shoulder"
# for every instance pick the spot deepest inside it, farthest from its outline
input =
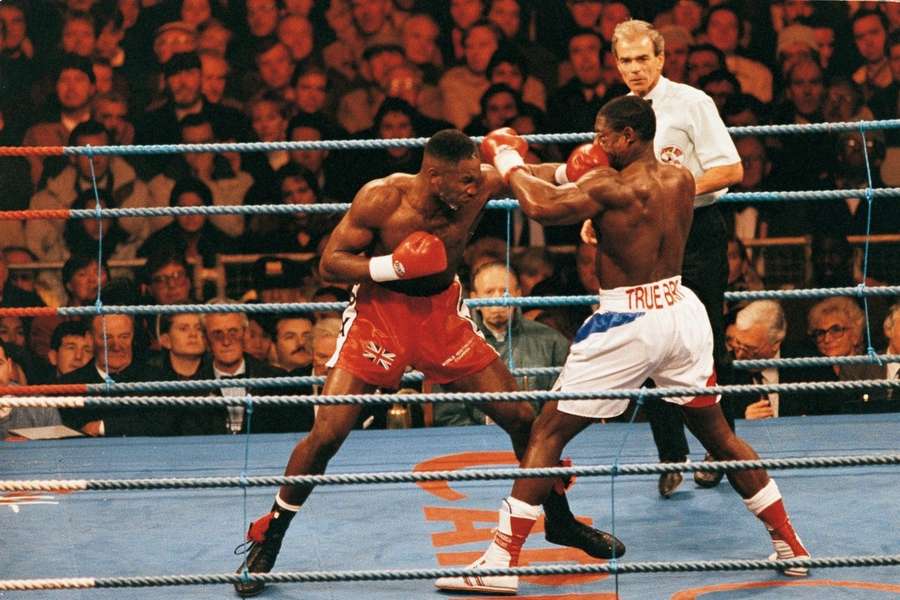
(381, 196)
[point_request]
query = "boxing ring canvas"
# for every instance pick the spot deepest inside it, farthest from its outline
(838, 512)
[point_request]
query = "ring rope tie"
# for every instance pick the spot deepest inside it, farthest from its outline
(870, 349)
(374, 144)
(98, 304)
(884, 560)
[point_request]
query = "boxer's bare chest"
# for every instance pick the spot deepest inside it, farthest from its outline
(454, 228)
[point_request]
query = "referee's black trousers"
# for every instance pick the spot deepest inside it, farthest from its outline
(705, 272)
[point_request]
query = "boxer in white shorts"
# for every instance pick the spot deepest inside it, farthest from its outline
(656, 331)
(647, 324)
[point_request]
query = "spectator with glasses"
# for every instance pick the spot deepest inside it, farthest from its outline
(167, 278)
(225, 338)
(759, 334)
(836, 326)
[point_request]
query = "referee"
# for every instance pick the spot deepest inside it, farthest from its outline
(691, 133)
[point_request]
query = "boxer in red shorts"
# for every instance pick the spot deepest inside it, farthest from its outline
(401, 243)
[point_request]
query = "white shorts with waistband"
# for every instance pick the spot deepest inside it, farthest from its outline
(657, 331)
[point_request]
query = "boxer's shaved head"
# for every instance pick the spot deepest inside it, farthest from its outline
(630, 111)
(451, 145)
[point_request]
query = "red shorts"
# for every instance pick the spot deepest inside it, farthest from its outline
(384, 332)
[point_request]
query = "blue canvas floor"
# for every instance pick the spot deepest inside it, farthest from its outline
(847, 511)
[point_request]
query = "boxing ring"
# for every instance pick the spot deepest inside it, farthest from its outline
(85, 518)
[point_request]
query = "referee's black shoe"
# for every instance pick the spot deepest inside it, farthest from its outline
(708, 479)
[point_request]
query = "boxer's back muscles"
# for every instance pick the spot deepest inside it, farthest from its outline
(643, 222)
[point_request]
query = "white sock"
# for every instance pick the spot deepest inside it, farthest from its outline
(763, 498)
(510, 507)
(517, 508)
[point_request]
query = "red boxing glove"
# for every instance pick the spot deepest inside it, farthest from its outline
(583, 159)
(505, 149)
(418, 255)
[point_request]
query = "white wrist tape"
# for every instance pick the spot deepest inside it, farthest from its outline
(560, 176)
(506, 160)
(381, 268)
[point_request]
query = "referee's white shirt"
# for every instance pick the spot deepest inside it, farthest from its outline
(690, 132)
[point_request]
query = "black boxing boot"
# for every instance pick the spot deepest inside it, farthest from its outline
(264, 538)
(562, 528)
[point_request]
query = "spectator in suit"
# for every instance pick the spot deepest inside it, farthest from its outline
(225, 338)
(114, 358)
(759, 334)
(293, 340)
(182, 359)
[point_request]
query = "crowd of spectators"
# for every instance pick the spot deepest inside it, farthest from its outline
(79, 72)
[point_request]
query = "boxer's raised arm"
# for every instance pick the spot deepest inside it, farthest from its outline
(566, 204)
